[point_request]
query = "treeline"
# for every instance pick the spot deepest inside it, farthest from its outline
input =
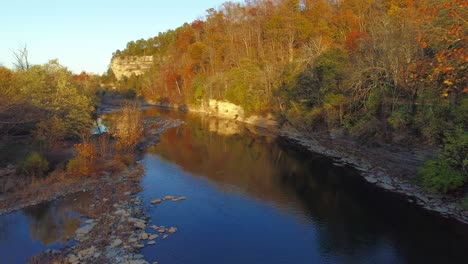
(47, 103)
(392, 70)
(380, 69)
(47, 118)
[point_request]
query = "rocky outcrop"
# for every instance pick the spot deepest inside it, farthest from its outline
(225, 110)
(125, 66)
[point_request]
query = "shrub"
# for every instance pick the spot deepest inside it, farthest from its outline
(456, 149)
(314, 117)
(399, 119)
(432, 117)
(334, 109)
(438, 175)
(104, 145)
(129, 127)
(34, 165)
(448, 171)
(84, 162)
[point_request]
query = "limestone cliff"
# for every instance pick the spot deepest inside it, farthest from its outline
(128, 65)
(226, 110)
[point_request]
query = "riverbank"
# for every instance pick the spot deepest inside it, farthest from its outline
(392, 168)
(59, 184)
(120, 224)
(116, 226)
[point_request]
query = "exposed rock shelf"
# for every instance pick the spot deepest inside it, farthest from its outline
(375, 173)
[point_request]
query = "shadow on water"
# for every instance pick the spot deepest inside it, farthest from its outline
(279, 189)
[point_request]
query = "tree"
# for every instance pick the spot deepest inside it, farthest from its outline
(64, 110)
(21, 59)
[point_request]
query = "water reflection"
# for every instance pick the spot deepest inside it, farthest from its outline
(45, 226)
(346, 220)
(57, 222)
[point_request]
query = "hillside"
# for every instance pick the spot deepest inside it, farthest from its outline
(378, 71)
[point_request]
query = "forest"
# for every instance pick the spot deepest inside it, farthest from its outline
(379, 70)
(264, 131)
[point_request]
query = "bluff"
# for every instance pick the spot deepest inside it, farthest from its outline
(125, 66)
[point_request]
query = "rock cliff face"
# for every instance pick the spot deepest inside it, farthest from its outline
(128, 65)
(226, 110)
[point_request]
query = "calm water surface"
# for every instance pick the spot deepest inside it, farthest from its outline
(30, 231)
(257, 199)
(252, 198)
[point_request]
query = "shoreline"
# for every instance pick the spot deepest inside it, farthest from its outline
(375, 174)
(116, 226)
(397, 176)
(46, 192)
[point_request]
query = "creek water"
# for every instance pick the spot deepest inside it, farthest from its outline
(254, 198)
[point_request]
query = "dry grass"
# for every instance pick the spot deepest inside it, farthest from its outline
(129, 127)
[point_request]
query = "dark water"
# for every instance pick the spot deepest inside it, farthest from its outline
(253, 198)
(256, 199)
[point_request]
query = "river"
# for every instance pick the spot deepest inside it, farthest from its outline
(253, 198)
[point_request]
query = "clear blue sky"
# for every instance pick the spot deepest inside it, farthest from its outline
(82, 34)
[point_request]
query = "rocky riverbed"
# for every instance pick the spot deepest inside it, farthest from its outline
(116, 227)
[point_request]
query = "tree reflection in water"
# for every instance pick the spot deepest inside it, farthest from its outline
(57, 222)
(355, 222)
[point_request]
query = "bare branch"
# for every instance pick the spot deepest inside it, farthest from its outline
(21, 58)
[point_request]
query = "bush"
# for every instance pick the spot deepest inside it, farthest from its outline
(129, 127)
(456, 149)
(334, 109)
(438, 175)
(34, 165)
(432, 118)
(84, 162)
(399, 120)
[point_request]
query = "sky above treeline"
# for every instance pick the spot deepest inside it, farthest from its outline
(83, 34)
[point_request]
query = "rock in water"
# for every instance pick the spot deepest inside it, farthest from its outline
(144, 236)
(156, 201)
